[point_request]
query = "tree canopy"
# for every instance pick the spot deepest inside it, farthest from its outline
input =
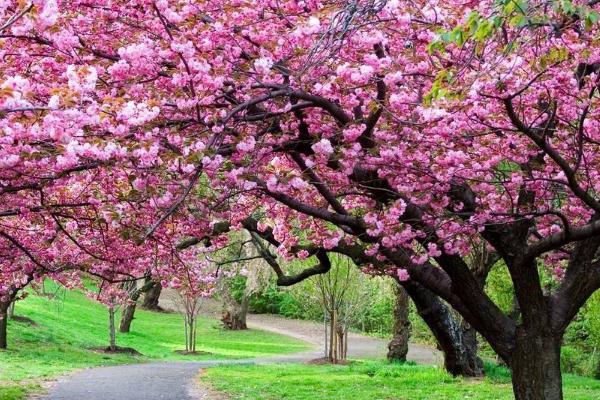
(409, 131)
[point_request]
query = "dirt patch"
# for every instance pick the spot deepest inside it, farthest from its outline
(24, 320)
(201, 390)
(192, 353)
(327, 361)
(117, 350)
(159, 309)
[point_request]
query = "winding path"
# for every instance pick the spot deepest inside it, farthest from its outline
(175, 380)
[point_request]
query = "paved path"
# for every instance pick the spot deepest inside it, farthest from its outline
(156, 381)
(175, 380)
(359, 346)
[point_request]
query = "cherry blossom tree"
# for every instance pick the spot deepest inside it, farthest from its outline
(412, 131)
(194, 278)
(479, 126)
(72, 182)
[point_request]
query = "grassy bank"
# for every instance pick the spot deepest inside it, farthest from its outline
(371, 380)
(69, 326)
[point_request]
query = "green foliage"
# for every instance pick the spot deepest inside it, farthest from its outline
(373, 314)
(237, 285)
(576, 360)
(499, 287)
(591, 313)
(372, 380)
(581, 352)
(274, 300)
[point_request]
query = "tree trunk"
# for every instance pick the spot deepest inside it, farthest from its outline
(459, 358)
(127, 317)
(111, 328)
(191, 324)
(333, 344)
(469, 338)
(4, 324)
(151, 298)
(134, 296)
(325, 353)
(11, 309)
(535, 366)
(234, 317)
(398, 347)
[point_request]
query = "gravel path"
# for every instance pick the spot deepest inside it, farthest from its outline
(175, 380)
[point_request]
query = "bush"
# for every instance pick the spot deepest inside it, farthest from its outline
(575, 360)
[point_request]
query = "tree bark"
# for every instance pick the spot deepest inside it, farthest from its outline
(127, 317)
(11, 310)
(469, 338)
(111, 328)
(398, 347)
(129, 311)
(151, 298)
(4, 324)
(458, 356)
(234, 317)
(535, 366)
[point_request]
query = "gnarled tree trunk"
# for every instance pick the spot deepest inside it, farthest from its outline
(129, 311)
(127, 317)
(234, 316)
(398, 347)
(151, 298)
(459, 357)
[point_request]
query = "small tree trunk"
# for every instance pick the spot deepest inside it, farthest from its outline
(535, 366)
(4, 324)
(341, 343)
(185, 331)
(398, 347)
(111, 328)
(331, 336)
(195, 327)
(190, 333)
(127, 317)
(151, 298)
(325, 328)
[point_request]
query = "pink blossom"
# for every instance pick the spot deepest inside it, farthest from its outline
(402, 275)
(323, 147)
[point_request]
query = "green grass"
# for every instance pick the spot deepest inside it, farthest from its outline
(70, 325)
(370, 380)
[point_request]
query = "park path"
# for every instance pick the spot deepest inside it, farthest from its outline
(175, 380)
(359, 346)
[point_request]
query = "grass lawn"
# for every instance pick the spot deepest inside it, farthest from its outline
(371, 380)
(69, 325)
